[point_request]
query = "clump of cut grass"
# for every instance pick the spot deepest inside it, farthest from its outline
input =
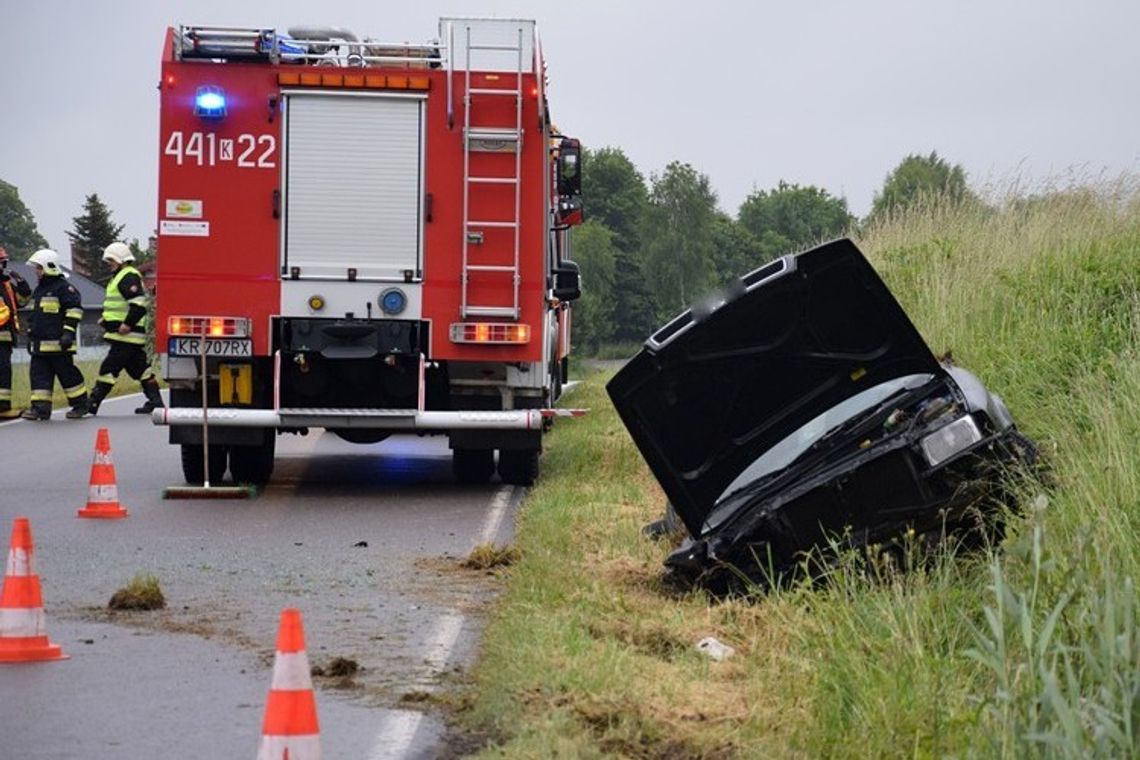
(337, 667)
(142, 593)
(487, 556)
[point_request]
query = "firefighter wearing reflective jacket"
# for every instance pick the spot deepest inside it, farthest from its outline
(14, 293)
(124, 326)
(56, 311)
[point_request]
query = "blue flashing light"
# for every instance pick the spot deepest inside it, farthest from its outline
(210, 102)
(393, 301)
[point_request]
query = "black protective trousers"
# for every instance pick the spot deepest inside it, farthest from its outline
(5, 376)
(124, 356)
(44, 369)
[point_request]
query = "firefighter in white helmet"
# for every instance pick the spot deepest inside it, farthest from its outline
(14, 293)
(124, 328)
(56, 311)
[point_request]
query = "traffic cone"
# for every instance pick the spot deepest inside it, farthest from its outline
(23, 626)
(290, 730)
(102, 493)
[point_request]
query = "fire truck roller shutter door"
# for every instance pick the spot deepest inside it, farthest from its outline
(353, 185)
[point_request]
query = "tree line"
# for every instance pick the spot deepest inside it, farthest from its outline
(647, 250)
(92, 231)
(650, 248)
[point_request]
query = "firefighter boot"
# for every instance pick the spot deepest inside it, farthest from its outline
(153, 398)
(79, 411)
(38, 412)
(98, 393)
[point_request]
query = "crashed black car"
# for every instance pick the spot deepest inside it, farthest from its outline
(801, 406)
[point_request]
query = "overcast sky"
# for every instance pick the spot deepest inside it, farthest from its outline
(823, 92)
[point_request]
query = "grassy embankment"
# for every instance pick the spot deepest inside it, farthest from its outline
(1032, 651)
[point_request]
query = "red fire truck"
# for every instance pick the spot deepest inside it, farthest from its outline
(366, 237)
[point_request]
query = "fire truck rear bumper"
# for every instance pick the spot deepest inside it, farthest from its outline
(382, 419)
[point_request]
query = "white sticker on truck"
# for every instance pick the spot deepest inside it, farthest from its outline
(183, 229)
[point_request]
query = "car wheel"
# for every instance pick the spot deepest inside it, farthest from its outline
(192, 465)
(473, 465)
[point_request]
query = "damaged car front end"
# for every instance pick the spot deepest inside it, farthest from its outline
(803, 412)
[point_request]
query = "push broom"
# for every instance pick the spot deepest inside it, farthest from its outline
(206, 491)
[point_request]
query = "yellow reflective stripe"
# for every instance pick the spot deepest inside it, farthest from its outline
(49, 305)
(48, 345)
(107, 379)
(5, 394)
(147, 374)
(137, 339)
(138, 301)
(5, 336)
(74, 314)
(41, 395)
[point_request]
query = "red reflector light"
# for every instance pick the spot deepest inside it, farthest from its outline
(214, 327)
(509, 333)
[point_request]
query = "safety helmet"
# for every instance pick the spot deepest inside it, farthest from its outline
(48, 259)
(118, 253)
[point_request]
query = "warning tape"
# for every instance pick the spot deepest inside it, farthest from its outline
(564, 412)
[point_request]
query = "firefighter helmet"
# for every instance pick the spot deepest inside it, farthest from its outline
(118, 253)
(48, 259)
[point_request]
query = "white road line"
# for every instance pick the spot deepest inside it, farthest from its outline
(398, 730)
(499, 503)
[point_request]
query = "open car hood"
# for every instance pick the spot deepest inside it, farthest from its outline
(719, 385)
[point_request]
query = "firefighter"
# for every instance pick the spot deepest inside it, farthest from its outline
(14, 293)
(56, 311)
(124, 325)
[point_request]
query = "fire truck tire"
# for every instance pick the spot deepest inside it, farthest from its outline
(192, 466)
(253, 464)
(518, 467)
(473, 465)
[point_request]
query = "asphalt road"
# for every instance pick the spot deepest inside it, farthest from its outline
(364, 540)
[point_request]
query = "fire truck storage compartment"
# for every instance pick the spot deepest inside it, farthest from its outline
(353, 180)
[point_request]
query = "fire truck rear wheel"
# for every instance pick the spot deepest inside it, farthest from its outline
(518, 467)
(253, 464)
(473, 465)
(192, 466)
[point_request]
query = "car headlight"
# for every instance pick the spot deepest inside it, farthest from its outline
(947, 441)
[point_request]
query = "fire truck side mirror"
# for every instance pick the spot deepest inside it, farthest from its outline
(569, 168)
(566, 281)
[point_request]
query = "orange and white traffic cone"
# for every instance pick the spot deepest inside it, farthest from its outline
(102, 492)
(290, 730)
(23, 626)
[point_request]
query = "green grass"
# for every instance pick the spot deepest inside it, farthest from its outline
(90, 370)
(1030, 651)
(144, 592)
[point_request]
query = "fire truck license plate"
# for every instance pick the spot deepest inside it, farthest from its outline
(238, 347)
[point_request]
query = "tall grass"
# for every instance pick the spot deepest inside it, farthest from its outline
(1030, 650)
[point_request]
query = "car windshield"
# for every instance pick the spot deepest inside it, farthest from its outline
(791, 447)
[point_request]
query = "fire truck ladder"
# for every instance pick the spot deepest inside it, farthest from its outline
(475, 138)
